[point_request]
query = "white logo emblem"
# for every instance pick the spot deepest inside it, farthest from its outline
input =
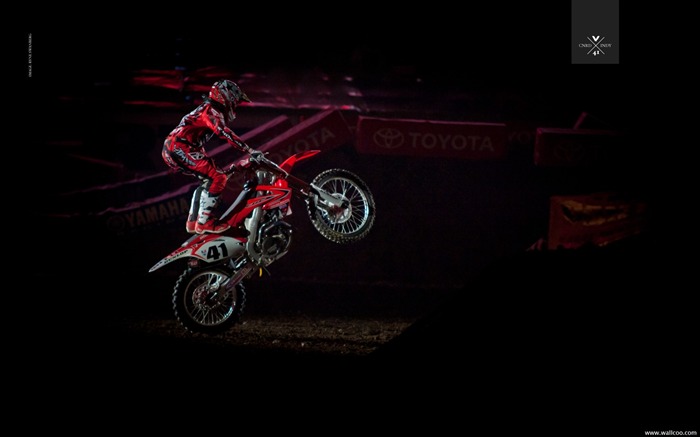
(595, 45)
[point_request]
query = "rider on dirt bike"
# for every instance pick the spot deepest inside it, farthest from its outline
(183, 151)
(209, 295)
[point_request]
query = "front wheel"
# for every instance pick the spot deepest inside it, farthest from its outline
(202, 304)
(343, 224)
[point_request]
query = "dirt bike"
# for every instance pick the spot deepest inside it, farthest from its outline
(209, 296)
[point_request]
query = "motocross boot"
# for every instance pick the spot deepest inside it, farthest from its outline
(211, 226)
(191, 223)
(206, 221)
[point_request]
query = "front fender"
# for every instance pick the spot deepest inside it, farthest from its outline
(292, 160)
(206, 247)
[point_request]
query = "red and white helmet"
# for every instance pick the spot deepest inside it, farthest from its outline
(228, 94)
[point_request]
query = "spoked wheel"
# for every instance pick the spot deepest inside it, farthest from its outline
(355, 219)
(202, 304)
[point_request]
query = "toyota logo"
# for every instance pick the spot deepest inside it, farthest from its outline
(388, 138)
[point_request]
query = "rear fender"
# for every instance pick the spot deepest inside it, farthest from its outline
(209, 248)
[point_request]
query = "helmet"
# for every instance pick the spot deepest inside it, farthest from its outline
(228, 94)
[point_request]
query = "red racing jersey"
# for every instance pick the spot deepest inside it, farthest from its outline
(198, 127)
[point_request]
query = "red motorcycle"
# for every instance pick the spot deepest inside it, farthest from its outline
(209, 296)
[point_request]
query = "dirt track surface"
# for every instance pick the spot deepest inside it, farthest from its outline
(287, 333)
(294, 320)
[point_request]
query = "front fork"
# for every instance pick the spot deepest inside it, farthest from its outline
(335, 208)
(242, 270)
(326, 201)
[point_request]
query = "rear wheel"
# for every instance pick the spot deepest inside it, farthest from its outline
(202, 304)
(355, 219)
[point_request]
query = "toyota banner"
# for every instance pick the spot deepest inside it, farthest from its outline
(466, 140)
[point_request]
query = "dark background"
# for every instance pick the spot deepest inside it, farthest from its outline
(591, 363)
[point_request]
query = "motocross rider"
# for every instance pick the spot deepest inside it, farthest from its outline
(184, 151)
